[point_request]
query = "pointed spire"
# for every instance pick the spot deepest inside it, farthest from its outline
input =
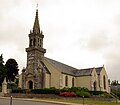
(1, 59)
(36, 27)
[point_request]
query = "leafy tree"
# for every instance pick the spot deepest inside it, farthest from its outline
(114, 83)
(12, 69)
(2, 70)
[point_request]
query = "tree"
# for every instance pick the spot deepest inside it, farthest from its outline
(2, 70)
(12, 69)
(114, 83)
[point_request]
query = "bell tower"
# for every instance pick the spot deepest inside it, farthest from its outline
(36, 39)
(35, 53)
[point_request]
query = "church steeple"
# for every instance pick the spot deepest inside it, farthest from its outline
(36, 38)
(34, 74)
(36, 27)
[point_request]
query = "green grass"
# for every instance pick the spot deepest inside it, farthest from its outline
(90, 102)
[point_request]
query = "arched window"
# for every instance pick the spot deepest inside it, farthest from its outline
(30, 42)
(30, 84)
(34, 42)
(40, 42)
(95, 86)
(66, 80)
(73, 82)
(104, 82)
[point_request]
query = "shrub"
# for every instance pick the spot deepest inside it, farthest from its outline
(19, 90)
(45, 91)
(68, 94)
(65, 90)
(116, 92)
(84, 89)
(96, 92)
(12, 85)
(106, 95)
(53, 88)
(83, 93)
(74, 89)
(28, 91)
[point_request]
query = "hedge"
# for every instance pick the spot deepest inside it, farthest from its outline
(45, 91)
(83, 94)
(19, 90)
(80, 92)
(96, 92)
(37, 91)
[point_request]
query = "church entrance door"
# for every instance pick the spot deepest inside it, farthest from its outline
(30, 84)
(95, 85)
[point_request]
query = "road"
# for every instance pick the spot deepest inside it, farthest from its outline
(22, 102)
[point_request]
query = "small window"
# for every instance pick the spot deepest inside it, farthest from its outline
(73, 82)
(104, 82)
(66, 80)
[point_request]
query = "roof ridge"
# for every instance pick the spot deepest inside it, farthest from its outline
(63, 67)
(62, 63)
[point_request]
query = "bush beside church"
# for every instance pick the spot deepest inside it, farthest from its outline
(65, 92)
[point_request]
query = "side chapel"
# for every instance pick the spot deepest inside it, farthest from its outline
(43, 72)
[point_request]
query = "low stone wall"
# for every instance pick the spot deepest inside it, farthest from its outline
(53, 96)
(20, 95)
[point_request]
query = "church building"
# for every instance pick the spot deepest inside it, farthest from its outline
(43, 72)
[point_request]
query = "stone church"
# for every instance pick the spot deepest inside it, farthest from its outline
(43, 72)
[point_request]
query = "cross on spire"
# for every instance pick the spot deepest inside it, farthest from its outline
(37, 6)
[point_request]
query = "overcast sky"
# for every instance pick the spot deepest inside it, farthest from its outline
(80, 33)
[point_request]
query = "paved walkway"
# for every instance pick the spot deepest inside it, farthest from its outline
(41, 100)
(56, 102)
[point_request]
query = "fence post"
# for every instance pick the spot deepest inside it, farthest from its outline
(11, 100)
(83, 100)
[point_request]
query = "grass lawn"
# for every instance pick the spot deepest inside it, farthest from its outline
(89, 102)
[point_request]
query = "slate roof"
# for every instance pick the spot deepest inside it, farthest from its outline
(71, 70)
(84, 72)
(62, 67)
